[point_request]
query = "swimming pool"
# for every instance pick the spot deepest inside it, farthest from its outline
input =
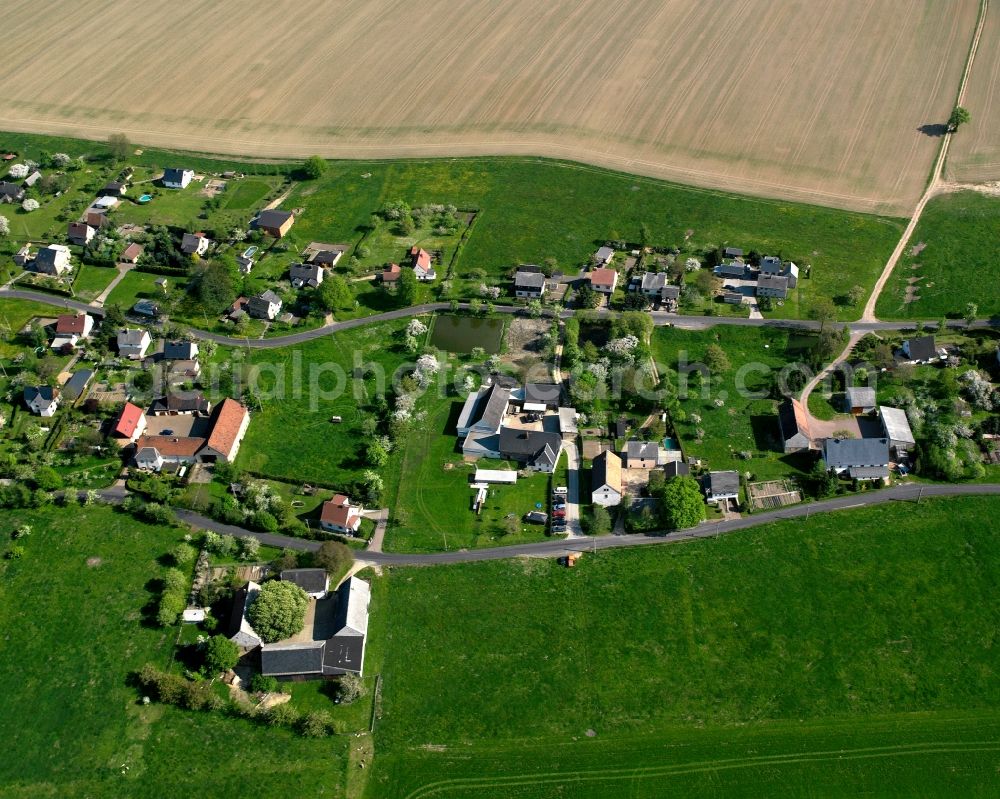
(145, 198)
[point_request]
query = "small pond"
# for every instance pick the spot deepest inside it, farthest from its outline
(461, 334)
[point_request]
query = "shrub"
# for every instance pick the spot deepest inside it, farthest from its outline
(263, 684)
(221, 654)
(283, 715)
(183, 554)
(333, 556)
(350, 687)
(315, 724)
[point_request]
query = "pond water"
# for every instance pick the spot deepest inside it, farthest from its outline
(461, 334)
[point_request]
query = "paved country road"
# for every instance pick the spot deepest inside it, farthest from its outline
(659, 318)
(906, 493)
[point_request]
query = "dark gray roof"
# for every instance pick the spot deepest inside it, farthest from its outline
(621, 428)
(724, 482)
(491, 407)
(671, 292)
(312, 581)
(793, 421)
(653, 281)
(273, 218)
(923, 348)
(193, 402)
(868, 472)
(47, 256)
(642, 450)
(528, 444)
(843, 453)
(860, 396)
(180, 350)
(279, 660)
(733, 252)
(732, 269)
(13, 190)
(529, 280)
(770, 265)
(47, 393)
(77, 383)
(677, 469)
(305, 272)
(771, 281)
(542, 393)
(343, 654)
(146, 308)
(173, 175)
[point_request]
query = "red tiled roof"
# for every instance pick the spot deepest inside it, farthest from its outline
(229, 418)
(339, 511)
(128, 420)
(132, 251)
(171, 446)
(391, 274)
(421, 258)
(71, 323)
(603, 277)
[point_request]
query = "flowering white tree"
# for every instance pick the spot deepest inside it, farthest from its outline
(18, 171)
(599, 369)
(692, 264)
(979, 390)
(30, 205)
(416, 328)
(622, 346)
(4, 226)
(492, 292)
(61, 159)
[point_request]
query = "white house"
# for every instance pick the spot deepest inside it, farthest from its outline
(266, 305)
(195, 243)
(42, 400)
(722, 486)
(71, 329)
(606, 480)
(177, 178)
(529, 284)
(422, 267)
(340, 516)
(133, 343)
(52, 260)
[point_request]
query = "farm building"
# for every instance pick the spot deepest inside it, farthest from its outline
(274, 222)
(793, 422)
(606, 480)
(859, 458)
(859, 400)
(897, 428)
(315, 582)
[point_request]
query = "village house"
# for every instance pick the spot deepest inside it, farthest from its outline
(536, 450)
(732, 269)
(649, 284)
(275, 223)
(180, 350)
(921, 350)
(131, 253)
(538, 397)
(114, 188)
(391, 273)
(422, 266)
(676, 469)
(722, 487)
(174, 178)
(41, 400)
(642, 455)
(603, 256)
(338, 515)
(896, 427)
(133, 342)
(71, 329)
(310, 274)
(311, 655)
(52, 260)
(793, 422)
(219, 442)
(195, 243)
(859, 458)
(80, 233)
(732, 252)
(670, 298)
(328, 255)
(859, 400)
(775, 286)
(266, 305)
(244, 634)
(606, 480)
(128, 425)
(181, 404)
(11, 192)
(773, 266)
(604, 280)
(529, 283)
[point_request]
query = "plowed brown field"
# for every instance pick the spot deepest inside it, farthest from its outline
(819, 100)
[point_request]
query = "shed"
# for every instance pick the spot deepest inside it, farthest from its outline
(502, 476)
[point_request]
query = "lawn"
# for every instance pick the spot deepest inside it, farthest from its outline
(951, 261)
(850, 653)
(91, 281)
(291, 436)
(69, 716)
(741, 423)
(244, 194)
(14, 315)
(134, 286)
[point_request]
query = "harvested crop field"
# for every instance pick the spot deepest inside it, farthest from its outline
(815, 102)
(974, 155)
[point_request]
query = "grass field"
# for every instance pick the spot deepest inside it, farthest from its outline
(853, 653)
(69, 717)
(741, 423)
(91, 281)
(135, 285)
(952, 262)
(572, 80)
(292, 438)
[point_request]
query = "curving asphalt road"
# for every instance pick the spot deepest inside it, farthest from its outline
(659, 318)
(555, 547)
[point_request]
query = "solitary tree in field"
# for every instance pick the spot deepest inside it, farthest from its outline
(855, 295)
(971, 312)
(958, 117)
(119, 146)
(4, 226)
(314, 167)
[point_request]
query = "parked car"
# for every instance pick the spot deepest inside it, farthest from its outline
(559, 506)
(559, 514)
(560, 490)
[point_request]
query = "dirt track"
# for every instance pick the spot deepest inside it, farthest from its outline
(756, 96)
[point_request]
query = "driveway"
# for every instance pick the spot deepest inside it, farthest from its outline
(574, 528)
(381, 517)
